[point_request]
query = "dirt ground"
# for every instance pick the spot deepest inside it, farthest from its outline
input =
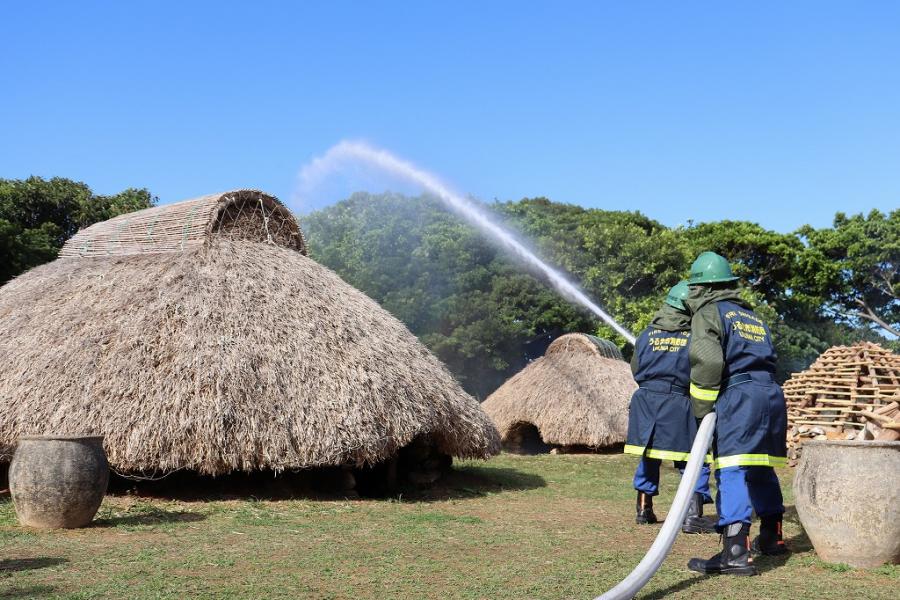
(549, 526)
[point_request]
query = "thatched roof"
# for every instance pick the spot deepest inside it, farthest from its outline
(240, 214)
(586, 344)
(572, 394)
(236, 352)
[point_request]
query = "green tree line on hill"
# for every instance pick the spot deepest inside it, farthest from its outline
(485, 315)
(37, 216)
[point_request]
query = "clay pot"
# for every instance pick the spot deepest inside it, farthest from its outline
(58, 480)
(848, 499)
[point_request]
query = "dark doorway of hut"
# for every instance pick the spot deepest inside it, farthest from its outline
(415, 466)
(525, 438)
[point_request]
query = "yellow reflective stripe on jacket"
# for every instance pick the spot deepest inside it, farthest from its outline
(749, 460)
(661, 454)
(704, 394)
(667, 454)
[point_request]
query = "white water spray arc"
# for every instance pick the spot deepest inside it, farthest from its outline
(345, 152)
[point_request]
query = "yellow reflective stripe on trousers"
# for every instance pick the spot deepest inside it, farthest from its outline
(661, 454)
(749, 460)
(704, 394)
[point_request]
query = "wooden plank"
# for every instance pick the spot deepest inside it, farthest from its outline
(831, 423)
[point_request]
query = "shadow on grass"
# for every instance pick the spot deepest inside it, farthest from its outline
(13, 565)
(149, 515)
(188, 486)
(474, 481)
(797, 543)
(764, 564)
(320, 484)
(28, 564)
(675, 587)
(800, 542)
(33, 591)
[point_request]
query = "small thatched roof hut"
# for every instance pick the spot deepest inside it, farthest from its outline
(577, 395)
(199, 336)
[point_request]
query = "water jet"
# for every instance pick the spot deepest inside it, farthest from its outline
(346, 152)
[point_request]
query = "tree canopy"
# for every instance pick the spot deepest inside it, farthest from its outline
(37, 216)
(486, 316)
(855, 267)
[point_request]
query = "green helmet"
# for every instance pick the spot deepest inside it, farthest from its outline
(710, 268)
(677, 295)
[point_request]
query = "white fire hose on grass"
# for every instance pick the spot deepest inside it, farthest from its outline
(642, 573)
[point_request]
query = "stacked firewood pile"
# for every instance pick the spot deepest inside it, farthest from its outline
(849, 393)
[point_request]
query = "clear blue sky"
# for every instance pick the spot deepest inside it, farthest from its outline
(777, 112)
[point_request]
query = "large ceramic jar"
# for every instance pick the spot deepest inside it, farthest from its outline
(58, 480)
(848, 499)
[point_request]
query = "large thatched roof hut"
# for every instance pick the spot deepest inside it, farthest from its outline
(199, 336)
(576, 395)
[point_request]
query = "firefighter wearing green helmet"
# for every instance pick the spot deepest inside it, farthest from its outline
(660, 423)
(732, 372)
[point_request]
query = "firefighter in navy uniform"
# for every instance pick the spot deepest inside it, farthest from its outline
(661, 425)
(732, 372)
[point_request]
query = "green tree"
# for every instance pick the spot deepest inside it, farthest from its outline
(484, 314)
(766, 260)
(774, 267)
(463, 297)
(854, 267)
(474, 305)
(37, 216)
(623, 260)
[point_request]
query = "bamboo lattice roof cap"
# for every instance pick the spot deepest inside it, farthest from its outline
(239, 214)
(583, 342)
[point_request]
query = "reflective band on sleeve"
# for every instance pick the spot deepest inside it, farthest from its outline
(704, 394)
(749, 460)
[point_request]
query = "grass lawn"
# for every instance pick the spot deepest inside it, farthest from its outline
(513, 527)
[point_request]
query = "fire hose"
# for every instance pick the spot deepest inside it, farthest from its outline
(638, 578)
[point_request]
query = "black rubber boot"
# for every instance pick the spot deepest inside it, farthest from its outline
(694, 521)
(645, 514)
(734, 559)
(770, 540)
